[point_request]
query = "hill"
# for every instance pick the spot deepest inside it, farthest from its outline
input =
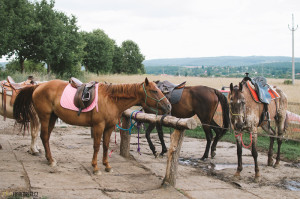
(218, 61)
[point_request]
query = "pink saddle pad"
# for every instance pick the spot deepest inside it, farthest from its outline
(67, 99)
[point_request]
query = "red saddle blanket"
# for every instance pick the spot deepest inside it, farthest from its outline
(254, 95)
(67, 99)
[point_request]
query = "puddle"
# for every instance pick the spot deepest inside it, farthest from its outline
(208, 165)
(292, 185)
(294, 165)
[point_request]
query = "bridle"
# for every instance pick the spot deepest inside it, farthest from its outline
(157, 100)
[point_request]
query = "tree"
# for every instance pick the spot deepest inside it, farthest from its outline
(117, 66)
(132, 58)
(57, 40)
(29, 66)
(16, 27)
(99, 51)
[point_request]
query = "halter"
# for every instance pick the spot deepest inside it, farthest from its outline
(157, 100)
(235, 114)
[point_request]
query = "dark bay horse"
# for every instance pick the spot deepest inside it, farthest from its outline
(246, 116)
(112, 101)
(203, 102)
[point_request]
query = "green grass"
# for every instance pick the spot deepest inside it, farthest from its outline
(290, 150)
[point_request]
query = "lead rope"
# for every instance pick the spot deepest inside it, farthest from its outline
(138, 125)
(241, 134)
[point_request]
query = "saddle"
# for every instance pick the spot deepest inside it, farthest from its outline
(85, 93)
(172, 91)
(261, 93)
(11, 88)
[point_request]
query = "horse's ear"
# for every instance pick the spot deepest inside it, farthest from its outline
(241, 86)
(146, 81)
(156, 82)
(231, 87)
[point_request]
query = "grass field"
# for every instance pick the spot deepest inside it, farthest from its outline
(292, 91)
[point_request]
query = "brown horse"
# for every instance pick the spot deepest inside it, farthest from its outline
(246, 116)
(112, 101)
(203, 102)
(8, 92)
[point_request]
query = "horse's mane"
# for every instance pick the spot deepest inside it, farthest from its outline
(121, 90)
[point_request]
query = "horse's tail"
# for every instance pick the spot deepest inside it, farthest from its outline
(225, 110)
(23, 110)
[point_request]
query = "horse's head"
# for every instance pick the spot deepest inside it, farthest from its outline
(154, 99)
(237, 106)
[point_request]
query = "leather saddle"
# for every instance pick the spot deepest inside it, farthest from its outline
(11, 88)
(172, 91)
(85, 93)
(261, 87)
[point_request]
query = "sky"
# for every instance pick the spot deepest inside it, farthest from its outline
(193, 28)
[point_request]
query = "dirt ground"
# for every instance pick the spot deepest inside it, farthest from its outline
(139, 177)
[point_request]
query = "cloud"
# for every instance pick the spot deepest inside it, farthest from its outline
(192, 28)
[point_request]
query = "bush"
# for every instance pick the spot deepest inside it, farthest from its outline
(287, 82)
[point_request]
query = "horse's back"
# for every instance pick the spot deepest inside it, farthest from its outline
(48, 93)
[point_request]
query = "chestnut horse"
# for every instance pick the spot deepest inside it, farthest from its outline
(112, 101)
(245, 116)
(8, 93)
(203, 102)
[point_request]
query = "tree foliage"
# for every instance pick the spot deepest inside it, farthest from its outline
(99, 51)
(33, 30)
(132, 58)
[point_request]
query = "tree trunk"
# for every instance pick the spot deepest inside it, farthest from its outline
(21, 59)
(48, 69)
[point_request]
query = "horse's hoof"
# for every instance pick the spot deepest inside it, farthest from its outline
(53, 163)
(97, 172)
(237, 176)
(276, 166)
(213, 154)
(161, 155)
(203, 158)
(35, 154)
(108, 170)
(257, 179)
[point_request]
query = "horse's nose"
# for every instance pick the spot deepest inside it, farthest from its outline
(238, 126)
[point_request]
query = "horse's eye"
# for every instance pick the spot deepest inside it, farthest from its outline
(153, 91)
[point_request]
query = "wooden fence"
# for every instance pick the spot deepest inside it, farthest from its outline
(179, 124)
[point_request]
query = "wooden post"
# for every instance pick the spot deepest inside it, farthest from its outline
(180, 124)
(173, 155)
(125, 138)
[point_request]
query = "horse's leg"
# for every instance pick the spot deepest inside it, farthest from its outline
(106, 140)
(281, 131)
(209, 137)
(148, 131)
(254, 155)
(161, 138)
(98, 131)
(47, 125)
(270, 152)
(239, 155)
(34, 149)
(219, 134)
